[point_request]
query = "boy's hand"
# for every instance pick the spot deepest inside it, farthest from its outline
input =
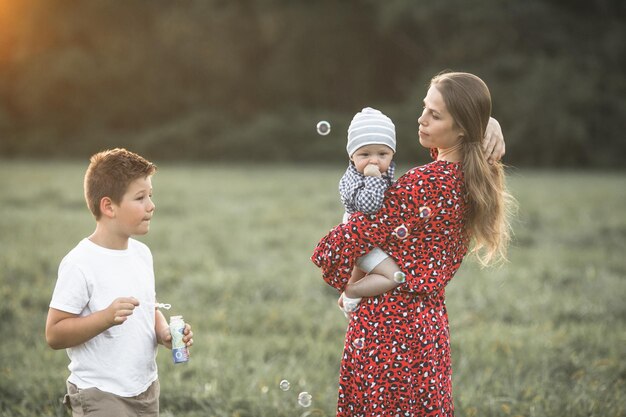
(166, 336)
(120, 309)
(371, 171)
(188, 335)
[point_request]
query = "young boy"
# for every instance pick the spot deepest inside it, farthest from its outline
(103, 306)
(371, 146)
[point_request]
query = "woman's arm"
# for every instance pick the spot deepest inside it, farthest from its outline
(336, 252)
(418, 227)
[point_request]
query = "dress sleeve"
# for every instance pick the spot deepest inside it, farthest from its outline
(420, 226)
(336, 252)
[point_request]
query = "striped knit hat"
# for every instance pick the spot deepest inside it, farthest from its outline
(370, 127)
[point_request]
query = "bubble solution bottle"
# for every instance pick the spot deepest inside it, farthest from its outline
(179, 350)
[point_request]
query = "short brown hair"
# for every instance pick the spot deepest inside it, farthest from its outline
(109, 174)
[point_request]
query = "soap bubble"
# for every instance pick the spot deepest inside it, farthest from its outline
(304, 399)
(424, 212)
(401, 232)
(284, 385)
(323, 128)
(399, 277)
(358, 343)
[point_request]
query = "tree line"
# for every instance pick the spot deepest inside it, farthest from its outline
(247, 80)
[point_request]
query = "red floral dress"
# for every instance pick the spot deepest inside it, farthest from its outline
(396, 359)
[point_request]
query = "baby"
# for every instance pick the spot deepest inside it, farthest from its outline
(371, 146)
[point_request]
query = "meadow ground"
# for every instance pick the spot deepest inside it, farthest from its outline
(545, 335)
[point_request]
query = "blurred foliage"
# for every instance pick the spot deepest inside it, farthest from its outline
(249, 79)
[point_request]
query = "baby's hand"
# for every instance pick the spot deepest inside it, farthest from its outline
(371, 171)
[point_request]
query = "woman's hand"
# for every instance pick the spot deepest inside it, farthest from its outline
(493, 143)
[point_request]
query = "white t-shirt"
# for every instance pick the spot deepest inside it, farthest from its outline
(120, 360)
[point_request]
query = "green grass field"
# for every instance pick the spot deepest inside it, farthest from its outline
(545, 335)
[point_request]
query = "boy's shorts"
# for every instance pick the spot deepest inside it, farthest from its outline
(92, 402)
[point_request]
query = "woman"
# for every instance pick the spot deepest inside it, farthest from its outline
(396, 357)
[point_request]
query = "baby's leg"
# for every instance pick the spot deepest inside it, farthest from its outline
(384, 277)
(389, 269)
(346, 303)
(357, 274)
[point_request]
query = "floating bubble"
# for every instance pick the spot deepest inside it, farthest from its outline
(399, 277)
(323, 128)
(358, 343)
(304, 399)
(401, 231)
(424, 211)
(284, 385)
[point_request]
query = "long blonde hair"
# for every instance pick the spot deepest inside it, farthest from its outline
(468, 100)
